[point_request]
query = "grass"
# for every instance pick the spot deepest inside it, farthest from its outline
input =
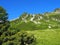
(47, 37)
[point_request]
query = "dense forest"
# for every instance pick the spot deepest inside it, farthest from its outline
(30, 29)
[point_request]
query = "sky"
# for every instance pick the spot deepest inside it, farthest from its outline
(16, 7)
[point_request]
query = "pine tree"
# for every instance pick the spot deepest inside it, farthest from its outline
(4, 23)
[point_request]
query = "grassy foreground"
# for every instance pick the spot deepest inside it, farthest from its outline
(47, 37)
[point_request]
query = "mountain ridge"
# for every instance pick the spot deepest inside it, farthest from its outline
(37, 21)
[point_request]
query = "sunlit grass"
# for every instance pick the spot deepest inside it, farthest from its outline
(47, 37)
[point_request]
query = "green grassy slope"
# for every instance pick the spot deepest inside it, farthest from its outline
(47, 37)
(43, 37)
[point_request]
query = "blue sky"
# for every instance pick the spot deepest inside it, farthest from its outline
(16, 7)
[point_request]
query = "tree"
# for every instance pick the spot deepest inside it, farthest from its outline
(4, 23)
(27, 38)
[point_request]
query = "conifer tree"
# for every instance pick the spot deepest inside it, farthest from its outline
(4, 23)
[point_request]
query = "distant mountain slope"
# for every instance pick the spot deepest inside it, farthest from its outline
(37, 21)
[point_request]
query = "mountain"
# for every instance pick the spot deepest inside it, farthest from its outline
(33, 29)
(27, 21)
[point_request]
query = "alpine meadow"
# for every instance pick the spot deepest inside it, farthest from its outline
(30, 29)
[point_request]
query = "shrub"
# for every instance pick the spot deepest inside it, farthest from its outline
(26, 38)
